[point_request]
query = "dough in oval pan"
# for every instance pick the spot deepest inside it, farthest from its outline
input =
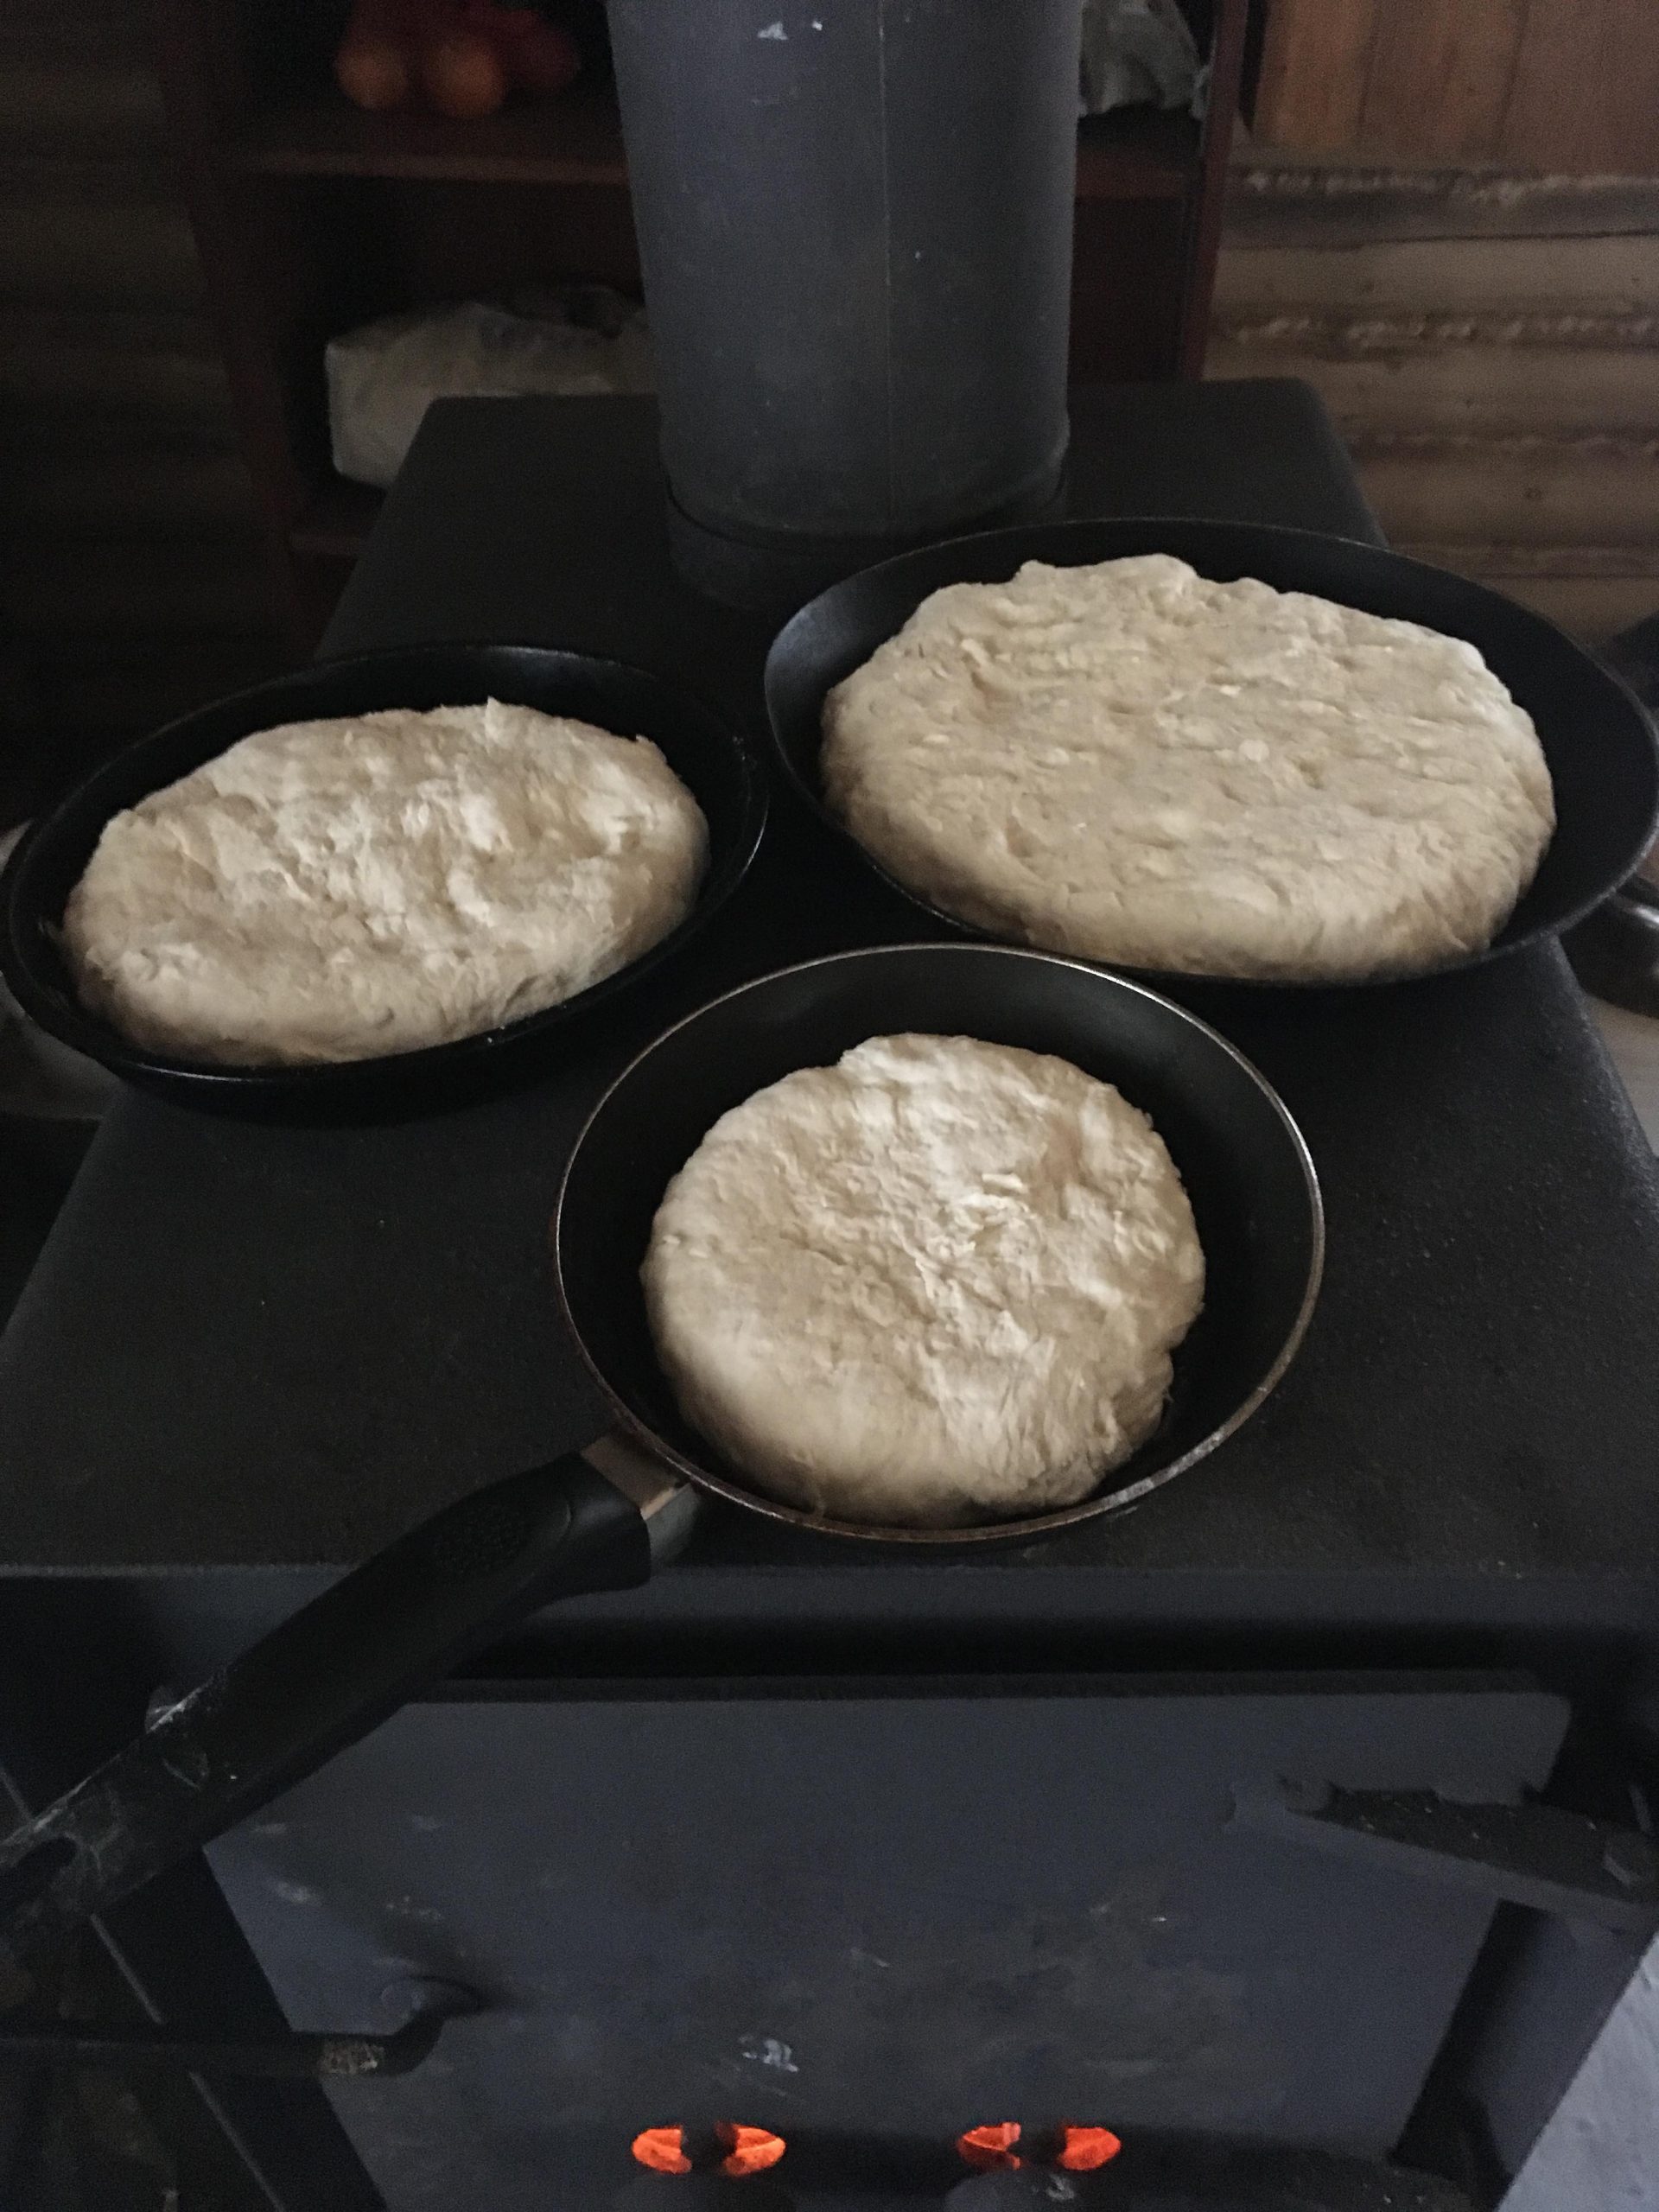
(337, 890)
(936, 1283)
(1131, 763)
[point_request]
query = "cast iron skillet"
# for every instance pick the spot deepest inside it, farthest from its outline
(1595, 736)
(716, 764)
(593, 1521)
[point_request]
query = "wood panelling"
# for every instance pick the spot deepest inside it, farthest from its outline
(1439, 72)
(1609, 276)
(132, 489)
(1568, 84)
(1489, 346)
(90, 364)
(1315, 60)
(103, 107)
(1586, 94)
(1528, 487)
(131, 582)
(1289, 200)
(1454, 376)
(76, 598)
(70, 239)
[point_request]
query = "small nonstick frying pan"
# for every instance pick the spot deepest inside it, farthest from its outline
(1596, 734)
(716, 764)
(595, 1520)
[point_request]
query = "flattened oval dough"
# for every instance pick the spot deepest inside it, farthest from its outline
(336, 890)
(938, 1282)
(1129, 762)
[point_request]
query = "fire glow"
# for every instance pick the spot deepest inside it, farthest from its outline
(662, 2149)
(1085, 2150)
(988, 2149)
(1072, 2150)
(747, 2150)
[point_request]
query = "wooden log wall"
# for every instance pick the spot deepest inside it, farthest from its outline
(1488, 340)
(132, 586)
(1546, 85)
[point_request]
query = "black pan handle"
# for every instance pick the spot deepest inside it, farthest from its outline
(332, 1672)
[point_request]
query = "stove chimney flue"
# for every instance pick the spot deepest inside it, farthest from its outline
(855, 221)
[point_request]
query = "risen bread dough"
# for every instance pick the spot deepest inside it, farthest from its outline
(938, 1282)
(1131, 763)
(335, 890)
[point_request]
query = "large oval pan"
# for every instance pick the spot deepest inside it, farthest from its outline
(1595, 736)
(716, 764)
(594, 1521)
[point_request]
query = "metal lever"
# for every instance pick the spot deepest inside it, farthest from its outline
(317, 1683)
(1536, 1855)
(297, 2058)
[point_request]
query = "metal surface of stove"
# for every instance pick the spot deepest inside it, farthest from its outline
(876, 1910)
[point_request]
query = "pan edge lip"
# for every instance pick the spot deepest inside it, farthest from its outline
(317, 1085)
(1032, 1527)
(1287, 533)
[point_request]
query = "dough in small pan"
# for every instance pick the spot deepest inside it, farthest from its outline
(936, 1283)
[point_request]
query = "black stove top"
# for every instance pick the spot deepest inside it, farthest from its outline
(249, 1348)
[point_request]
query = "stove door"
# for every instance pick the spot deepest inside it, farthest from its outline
(876, 1910)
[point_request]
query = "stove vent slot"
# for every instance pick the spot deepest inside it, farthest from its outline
(1068, 2149)
(705, 2169)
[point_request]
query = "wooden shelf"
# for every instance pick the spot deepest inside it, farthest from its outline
(575, 139)
(1135, 154)
(335, 525)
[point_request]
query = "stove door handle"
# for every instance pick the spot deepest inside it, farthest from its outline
(321, 1681)
(1515, 1850)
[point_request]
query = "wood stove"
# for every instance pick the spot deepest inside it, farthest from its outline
(1289, 1828)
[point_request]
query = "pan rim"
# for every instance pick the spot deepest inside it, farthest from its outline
(315, 1083)
(1030, 1527)
(809, 788)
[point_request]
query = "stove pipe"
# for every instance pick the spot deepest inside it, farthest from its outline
(855, 222)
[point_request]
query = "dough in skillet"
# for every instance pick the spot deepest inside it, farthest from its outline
(938, 1282)
(1131, 763)
(336, 890)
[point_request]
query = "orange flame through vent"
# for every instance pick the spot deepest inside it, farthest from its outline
(662, 2149)
(749, 2150)
(1083, 2150)
(988, 2148)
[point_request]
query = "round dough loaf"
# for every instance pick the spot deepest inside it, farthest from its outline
(1131, 763)
(939, 1282)
(336, 890)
